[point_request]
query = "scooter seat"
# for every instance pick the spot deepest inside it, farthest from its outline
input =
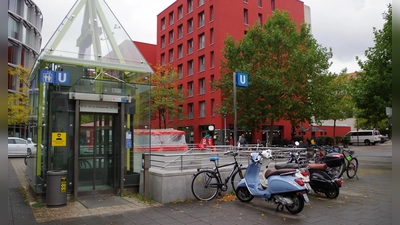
(271, 172)
(287, 166)
(317, 166)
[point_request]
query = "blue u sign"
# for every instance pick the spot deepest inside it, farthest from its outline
(54, 77)
(242, 79)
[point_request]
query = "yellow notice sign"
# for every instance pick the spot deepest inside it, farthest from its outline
(59, 139)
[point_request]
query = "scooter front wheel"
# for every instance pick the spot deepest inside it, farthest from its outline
(243, 194)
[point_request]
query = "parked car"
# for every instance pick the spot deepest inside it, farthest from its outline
(384, 138)
(32, 146)
(18, 147)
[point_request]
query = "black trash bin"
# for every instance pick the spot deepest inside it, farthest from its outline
(56, 188)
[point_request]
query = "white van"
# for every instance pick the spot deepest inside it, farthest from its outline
(367, 137)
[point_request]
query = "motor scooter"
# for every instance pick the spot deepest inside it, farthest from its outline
(283, 187)
(320, 178)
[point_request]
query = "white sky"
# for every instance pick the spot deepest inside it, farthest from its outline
(343, 25)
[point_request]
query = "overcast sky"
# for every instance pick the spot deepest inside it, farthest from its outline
(343, 25)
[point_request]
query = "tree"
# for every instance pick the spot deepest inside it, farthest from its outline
(281, 60)
(339, 103)
(372, 89)
(165, 94)
(18, 102)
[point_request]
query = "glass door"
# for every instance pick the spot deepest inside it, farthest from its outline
(96, 152)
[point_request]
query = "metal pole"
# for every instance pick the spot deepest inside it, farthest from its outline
(234, 108)
(224, 127)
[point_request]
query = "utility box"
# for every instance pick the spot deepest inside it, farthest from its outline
(56, 188)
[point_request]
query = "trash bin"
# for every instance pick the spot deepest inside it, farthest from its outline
(56, 188)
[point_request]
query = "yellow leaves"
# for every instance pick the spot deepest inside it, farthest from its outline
(227, 198)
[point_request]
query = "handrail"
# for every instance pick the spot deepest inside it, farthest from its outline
(195, 157)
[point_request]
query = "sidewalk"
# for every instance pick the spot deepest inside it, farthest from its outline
(364, 201)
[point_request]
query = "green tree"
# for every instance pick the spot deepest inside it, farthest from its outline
(339, 105)
(372, 89)
(165, 94)
(18, 102)
(281, 60)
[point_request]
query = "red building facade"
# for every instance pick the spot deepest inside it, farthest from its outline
(190, 36)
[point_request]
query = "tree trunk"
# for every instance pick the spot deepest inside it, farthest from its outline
(334, 133)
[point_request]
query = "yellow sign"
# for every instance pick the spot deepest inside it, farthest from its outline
(63, 186)
(59, 139)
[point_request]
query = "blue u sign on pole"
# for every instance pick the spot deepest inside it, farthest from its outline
(242, 79)
(54, 77)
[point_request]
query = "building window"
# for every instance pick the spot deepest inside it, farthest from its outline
(202, 63)
(190, 25)
(211, 36)
(171, 55)
(190, 46)
(202, 40)
(171, 115)
(180, 31)
(163, 24)
(180, 112)
(260, 20)
(273, 5)
(163, 41)
(202, 106)
(190, 110)
(162, 59)
(212, 59)
(201, 19)
(180, 51)
(180, 12)
(190, 68)
(190, 5)
(211, 13)
(180, 71)
(190, 89)
(180, 89)
(212, 107)
(171, 36)
(245, 16)
(201, 2)
(212, 82)
(202, 86)
(171, 18)
(259, 3)
(245, 1)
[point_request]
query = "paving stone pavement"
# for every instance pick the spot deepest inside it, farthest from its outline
(367, 200)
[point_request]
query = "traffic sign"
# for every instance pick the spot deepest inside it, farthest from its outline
(242, 79)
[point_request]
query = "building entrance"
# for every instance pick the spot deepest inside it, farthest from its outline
(96, 154)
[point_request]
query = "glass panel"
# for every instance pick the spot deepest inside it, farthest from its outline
(96, 152)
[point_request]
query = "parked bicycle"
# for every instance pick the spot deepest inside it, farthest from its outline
(350, 164)
(207, 183)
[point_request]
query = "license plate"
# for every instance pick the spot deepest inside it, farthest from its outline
(306, 199)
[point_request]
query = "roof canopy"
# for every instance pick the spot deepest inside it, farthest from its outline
(91, 35)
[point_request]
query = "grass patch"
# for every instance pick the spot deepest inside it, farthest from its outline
(141, 198)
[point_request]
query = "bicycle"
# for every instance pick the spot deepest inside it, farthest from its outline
(350, 164)
(207, 183)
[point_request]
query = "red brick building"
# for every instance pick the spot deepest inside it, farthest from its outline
(190, 36)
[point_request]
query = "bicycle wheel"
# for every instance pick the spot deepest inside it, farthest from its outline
(352, 168)
(343, 168)
(237, 176)
(205, 185)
